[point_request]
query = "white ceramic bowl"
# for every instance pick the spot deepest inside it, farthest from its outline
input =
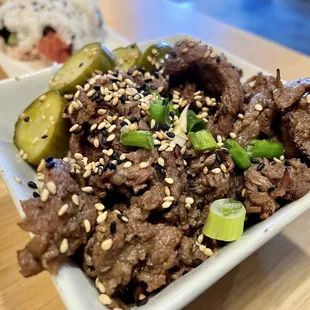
(76, 290)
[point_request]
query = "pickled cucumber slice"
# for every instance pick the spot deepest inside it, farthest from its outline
(155, 56)
(81, 66)
(127, 57)
(41, 131)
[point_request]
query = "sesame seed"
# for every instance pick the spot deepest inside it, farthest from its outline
(68, 96)
(87, 189)
(167, 191)
(51, 186)
(282, 157)
(96, 143)
(87, 225)
(86, 87)
(241, 116)
(91, 93)
(101, 125)
(35, 140)
(110, 138)
(78, 156)
(123, 218)
(101, 287)
(163, 147)
(213, 55)
(127, 164)
(200, 238)
(75, 199)
(87, 173)
(74, 127)
(102, 217)
(169, 149)
(202, 248)
(258, 107)
(25, 156)
(216, 170)
(122, 157)
(185, 50)
(99, 206)
(149, 58)
(64, 246)
(160, 89)
(243, 192)
(219, 139)
(144, 164)
(223, 168)
(42, 98)
(63, 209)
(205, 170)
(233, 135)
(189, 200)
(115, 101)
(111, 128)
(188, 206)
(308, 98)
(260, 167)
(277, 160)
(93, 127)
(102, 111)
(208, 252)
(144, 106)
(169, 198)
(105, 299)
(166, 204)
(107, 98)
(153, 123)
(169, 180)
(207, 54)
(45, 194)
(129, 82)
(41, 165)
(161, 161)
(106, 244)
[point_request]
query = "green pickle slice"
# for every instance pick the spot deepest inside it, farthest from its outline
(81, 66)
(127, 57)
(155, 56)
(225, 220)
(41, 131)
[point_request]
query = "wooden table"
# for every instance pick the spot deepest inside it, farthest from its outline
(277, 276)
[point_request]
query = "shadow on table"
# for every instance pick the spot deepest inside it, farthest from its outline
(279, 261)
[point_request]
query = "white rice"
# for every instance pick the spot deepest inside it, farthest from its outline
(78, 22)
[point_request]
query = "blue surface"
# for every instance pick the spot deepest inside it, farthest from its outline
(286, 22)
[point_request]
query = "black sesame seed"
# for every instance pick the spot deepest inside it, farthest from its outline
(260, 167)
(239, 196)
(48, 159)
(50, 165)
(27, 119)
(97, 87)
(141, 69)
(225, 109)
(255, 161)
(171, 114)
(218, 59)
(187, 156)
(133, 119)
(191, 183)
(271, 189)
(148, 80)
(123, 123)
(95, 96)
(142, 302)
(113, 227)
(164, 127)
(99, 100)
(114, 156)
(287, 163)
(105, 166)
(156, 128)
(196, 262)
(170, 134)
(218, 158)
(36, 195)
(116, 73)
(114, 80)
(80, 65)
(123, 98)
(173, 54)
(44, 137)
(111, 166)
(32, 185)
(200, 205)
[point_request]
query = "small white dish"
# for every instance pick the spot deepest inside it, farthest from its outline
(76, 290)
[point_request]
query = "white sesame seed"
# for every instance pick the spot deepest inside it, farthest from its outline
(115, 101)
(189, 200)
(91, 93)
(78, 156)
(241, 116)
(86, 87)
(208, 252)
(106, 244)
(200, 238)
(258, 107)
(243, 192)
(223, 168)
(41, 165)
(99, 206)
(63, 209)
(166, 204)
(101, 287)
(169, 198)
(25, 156)
(207, 54)
(42, 98)
(107, 98)
(87, 225)
(308, 98)
(110, 137)
(144, 106)
(96, 143)
(51, 186)
(202, 248)
(101, 125)
(153, 123)
(160, 89)
(129, 82)
(87, 189)
(74, 127)
(219, 139)
(102, 111)
(127, 164)
(167, 191)
(45, 194)
(149, 58)
(35, 140)
(102, 217)
(277, 160)
(185, 50)
(105, 299)
(68, 96)
(169, 180)
(111, 128)
(157, 142)
(64, 246)
(93, 127)
(75, 199)
(122, 157)
(282, 157)
(169, 149)
(216, 170)
(233, 135)
(161, 161)
(205, 170)
(144, 164)
(87, 173)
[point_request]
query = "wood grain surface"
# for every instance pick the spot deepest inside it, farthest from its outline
(277, 276)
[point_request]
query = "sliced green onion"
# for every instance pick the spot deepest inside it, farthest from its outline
(194, 123)
(202, 140)
(265, 149)
(159, 112)
(138, 138)
(225, 220)
(240, 157)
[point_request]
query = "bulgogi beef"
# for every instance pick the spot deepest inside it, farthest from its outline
(138, 213)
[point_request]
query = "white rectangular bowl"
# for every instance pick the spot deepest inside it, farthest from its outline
(76, 290)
